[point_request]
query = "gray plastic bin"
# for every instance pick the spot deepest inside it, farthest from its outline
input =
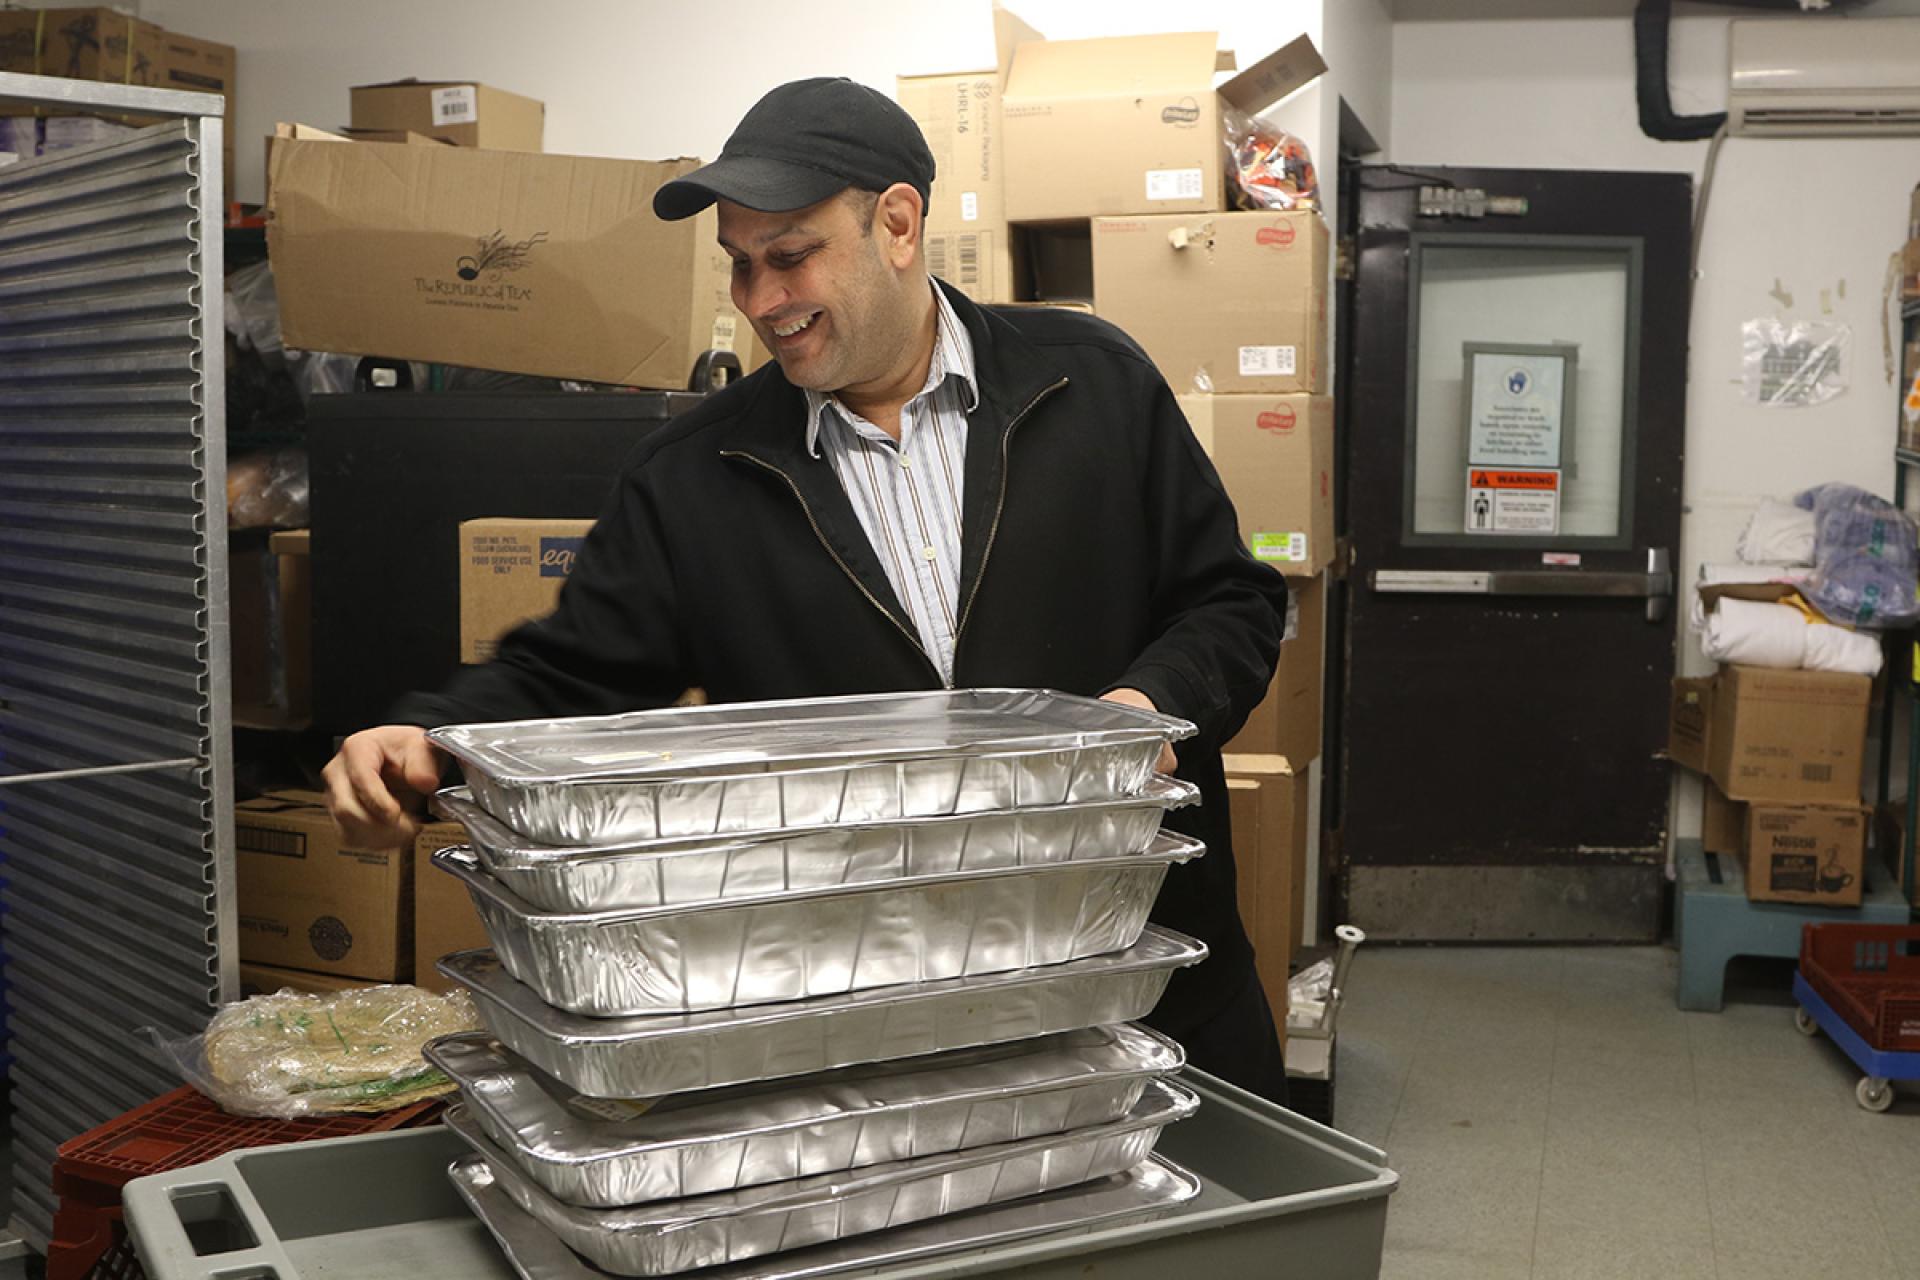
(1283, 1196)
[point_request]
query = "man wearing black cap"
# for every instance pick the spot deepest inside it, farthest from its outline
(919, 492)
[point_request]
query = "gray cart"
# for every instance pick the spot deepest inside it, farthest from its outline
(1283, 1195)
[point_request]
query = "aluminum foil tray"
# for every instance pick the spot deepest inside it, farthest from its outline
(675, 1236)
(681, 871)
(818, 942)
(1150, 1190)
(606, 1153)
(646, 1057)
(702, 771)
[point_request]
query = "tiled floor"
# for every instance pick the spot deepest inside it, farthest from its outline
(1554, 1117)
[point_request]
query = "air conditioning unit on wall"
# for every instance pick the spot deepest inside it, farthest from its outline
(1825, 76)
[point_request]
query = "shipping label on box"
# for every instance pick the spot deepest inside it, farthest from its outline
(1235, 302)
(525, 263)
(511, 572)
(1805, 853)
(306, 901)
(1275, 457)
(1793, 737)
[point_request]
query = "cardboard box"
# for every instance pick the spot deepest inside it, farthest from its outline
(444, 919)
(1289, 722)
(966, 226)
(1722, 822)
(1053, 263)
(265, 979)
(1790, 737)
(511, 572)
(98, 43)
(1688, 715)
(462, 112)
(1805, 853)
(547, 265)
(1130, 124)
(270, 611)
(1230, 303)
(1275, 456)
(306, 901)
(1274, 861)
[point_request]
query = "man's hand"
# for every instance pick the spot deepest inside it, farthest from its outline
(377, 787)
(1167, 763)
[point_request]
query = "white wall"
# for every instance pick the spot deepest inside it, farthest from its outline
(1820, 217)
(648, 79)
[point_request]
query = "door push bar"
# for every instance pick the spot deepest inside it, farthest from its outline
(1655, 586)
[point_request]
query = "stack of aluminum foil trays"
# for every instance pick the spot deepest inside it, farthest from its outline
(769, 978)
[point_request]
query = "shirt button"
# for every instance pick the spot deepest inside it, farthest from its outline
(928, 552)
(905, 464)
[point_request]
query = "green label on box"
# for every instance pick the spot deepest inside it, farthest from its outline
(1288, 547)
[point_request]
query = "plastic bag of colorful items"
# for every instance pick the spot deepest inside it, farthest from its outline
(1267, 167)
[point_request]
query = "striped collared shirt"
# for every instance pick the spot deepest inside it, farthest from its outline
(908, 495)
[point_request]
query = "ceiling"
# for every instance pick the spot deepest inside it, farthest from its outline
(1479, 10)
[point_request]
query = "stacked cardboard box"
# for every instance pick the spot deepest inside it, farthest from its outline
(99, 43)
(444, 919)
(1783, 752)
(511, 572)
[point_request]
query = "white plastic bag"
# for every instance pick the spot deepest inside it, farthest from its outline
(1793, 364)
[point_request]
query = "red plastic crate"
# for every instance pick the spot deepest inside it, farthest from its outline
(174, 1130)
(1870, 975)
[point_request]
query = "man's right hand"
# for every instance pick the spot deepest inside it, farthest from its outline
(377, 787)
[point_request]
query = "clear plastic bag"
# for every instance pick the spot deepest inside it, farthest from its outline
(1789, 364)
(298, 1054)
(1864, 558)
(1267, 167)
(268, 489)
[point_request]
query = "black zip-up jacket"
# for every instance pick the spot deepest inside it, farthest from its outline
(1098, 551)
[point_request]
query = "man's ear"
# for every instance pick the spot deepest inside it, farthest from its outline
(900, 216)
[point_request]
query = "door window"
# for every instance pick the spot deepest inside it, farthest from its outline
(1521, 422)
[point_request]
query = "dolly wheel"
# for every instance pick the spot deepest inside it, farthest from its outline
(1874, 1093)
(1803, 1023)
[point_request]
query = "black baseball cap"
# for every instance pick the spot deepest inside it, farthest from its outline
(803, 142)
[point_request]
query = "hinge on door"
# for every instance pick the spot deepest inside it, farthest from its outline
(1343, 259)
(1468, 202)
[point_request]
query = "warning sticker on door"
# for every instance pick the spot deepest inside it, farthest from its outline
(1502, 501)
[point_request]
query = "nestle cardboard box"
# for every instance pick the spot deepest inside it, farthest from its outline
(1130, 124)
(462, 112)
(1688, 715)
(306, 901)
(1229, 302)
(1805, 853)
(1270, 864)
(1275, 456)
(1289, 722)
(444, 919)
(511, 572)
(265, 980)
(548, 265)
(1788, 737)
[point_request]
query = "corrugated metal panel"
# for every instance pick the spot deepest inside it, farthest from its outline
(118, 894)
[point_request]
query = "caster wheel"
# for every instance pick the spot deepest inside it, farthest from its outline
(1803, 1023)
(1873, 1093)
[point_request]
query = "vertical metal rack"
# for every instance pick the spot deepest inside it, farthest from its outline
(116, 828)
(1903, 677)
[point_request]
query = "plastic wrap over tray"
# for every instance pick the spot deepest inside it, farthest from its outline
(702, 771)
(682, 871)
(608, 1152)
(674, 1236)
(649, 1056)
(1150, 1190)
(816, 942)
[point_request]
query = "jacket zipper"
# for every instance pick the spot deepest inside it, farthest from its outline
(851, 576)
(1000, 506)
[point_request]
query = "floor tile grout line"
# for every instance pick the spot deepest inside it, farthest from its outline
(1413, 1060)
(1700, 1143)
(1546, 1123)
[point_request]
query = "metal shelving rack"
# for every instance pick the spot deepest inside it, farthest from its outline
(116, 822)
(1905, 684)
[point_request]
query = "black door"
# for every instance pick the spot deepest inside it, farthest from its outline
(1513, 450)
